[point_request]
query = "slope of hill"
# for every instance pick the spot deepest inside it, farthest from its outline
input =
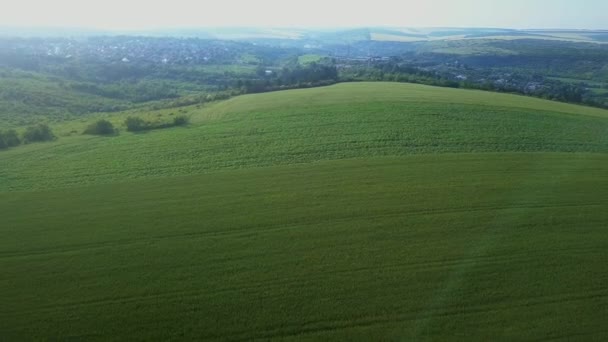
(368, 210)
(337, 122)
(26, 98)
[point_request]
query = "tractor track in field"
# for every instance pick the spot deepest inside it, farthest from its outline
(279, 227)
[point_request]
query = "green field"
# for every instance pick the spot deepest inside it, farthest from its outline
(309, 58)
(362, 211)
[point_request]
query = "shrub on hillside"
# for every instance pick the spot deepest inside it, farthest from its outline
(135, 124)
(101, 127)
(9, 138)
(181, 120)
(39, 132)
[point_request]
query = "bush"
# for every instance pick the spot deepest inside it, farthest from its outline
(135, 124)
(39, 132)
(181, 120)
(101, 127)
(9, 139)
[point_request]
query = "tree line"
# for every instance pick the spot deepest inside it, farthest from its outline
(36, 133)
(517, 82)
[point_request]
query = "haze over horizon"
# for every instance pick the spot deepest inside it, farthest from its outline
(142, 15)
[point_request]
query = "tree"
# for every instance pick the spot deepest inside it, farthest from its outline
(181, 120)
(9, 138)
(135, 124)
(39, 132)
(101, 127)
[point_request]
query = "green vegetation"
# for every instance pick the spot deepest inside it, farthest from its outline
(9, 138)
(338, 122)
(412, 247)
(181, 120)
(27, 98)
(309, 58)
(248, 58)
(55, 80)
(38, 133)
(101, 127)
(369, 211)
(136, 124)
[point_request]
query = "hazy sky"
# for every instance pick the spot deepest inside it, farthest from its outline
(144, 14)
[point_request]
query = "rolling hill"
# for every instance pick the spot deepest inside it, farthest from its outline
(356, 211)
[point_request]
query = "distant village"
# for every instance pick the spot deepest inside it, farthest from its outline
(130, 49)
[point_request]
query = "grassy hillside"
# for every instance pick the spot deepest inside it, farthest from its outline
(357, 211)
(27, 98)
(30, 97)
(338, 122)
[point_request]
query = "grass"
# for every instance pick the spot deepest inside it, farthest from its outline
(598, 91)
(352, 212)
(27, 98)
(338, 122)
(309, 58)
(590, 83)
(479, 245)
